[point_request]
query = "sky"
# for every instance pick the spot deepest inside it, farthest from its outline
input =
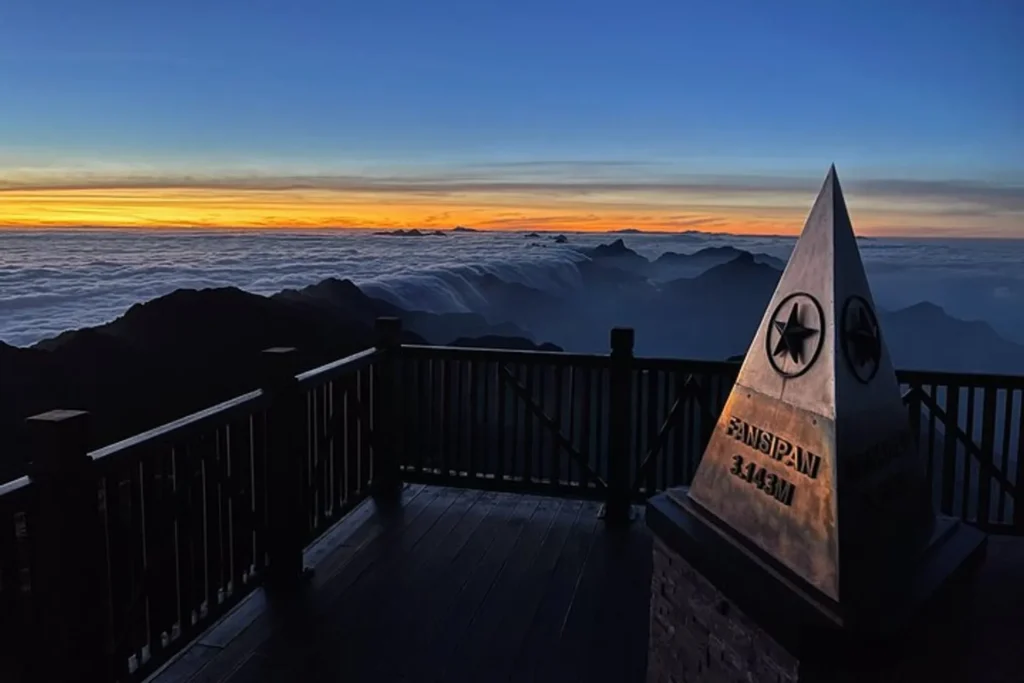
(563, 115)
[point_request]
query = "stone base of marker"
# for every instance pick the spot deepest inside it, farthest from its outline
(719, 615)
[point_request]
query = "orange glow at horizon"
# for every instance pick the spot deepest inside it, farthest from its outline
(317, 208)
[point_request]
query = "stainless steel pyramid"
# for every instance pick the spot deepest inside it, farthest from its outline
(812, 462)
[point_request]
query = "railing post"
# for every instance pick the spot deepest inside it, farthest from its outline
(285, 438)
(387, 482)
(618, 506)
(68, 574)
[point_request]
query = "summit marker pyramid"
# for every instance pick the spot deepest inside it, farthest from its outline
(812, 463)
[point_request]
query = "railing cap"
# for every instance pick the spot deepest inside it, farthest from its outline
(280, 365)
(60, 441)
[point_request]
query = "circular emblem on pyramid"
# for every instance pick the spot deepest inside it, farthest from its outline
(860, 338)
(794, 336)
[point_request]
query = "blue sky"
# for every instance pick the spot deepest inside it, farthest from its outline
(899, 89)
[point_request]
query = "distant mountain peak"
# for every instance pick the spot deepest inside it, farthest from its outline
(616, 248)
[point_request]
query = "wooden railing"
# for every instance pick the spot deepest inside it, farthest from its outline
(971, 431)
(111, 561)
(608, 426)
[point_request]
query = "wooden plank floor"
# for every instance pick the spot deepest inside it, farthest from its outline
(455, 585)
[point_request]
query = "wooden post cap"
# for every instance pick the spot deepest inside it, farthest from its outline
(622, 340)
(388, 332)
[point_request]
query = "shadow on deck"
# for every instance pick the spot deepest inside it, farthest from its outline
(455, 585)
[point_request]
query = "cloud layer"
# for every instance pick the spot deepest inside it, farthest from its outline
(52, 281)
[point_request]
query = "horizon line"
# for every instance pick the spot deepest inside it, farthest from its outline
(381, 230)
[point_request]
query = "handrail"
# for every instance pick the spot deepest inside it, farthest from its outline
(511, 355)
(178, 428)
(328, 371)
(14, 485)
(962, 379)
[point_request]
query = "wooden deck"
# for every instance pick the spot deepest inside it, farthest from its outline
(455, 585)
(462, 585)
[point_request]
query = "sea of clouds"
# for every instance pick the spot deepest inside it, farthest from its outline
(51, 281)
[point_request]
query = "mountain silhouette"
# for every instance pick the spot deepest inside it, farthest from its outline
(193, 348)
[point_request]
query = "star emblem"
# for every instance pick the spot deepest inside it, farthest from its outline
(794, 337)
(861, 339)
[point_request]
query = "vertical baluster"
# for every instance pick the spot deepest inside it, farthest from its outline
(490, 437)
(914, 414)
(655, 411)
(214, 450)
(561, 375)
(161, 583)
(325, 457)
(315, 505)
(988, 427)
(950, 450)
(967, 491)
(599, 418)
(544, 438)
(137, 632)
(661, 415)
(516, 443)
(586, 424)
(458, 415)
(354, 488)
(501, 386)
(240, 508)
(188, 509)
(305, 518)
(418, 414)
(477, 414)
(431, 413)
(1018, 478)
(638, 425)
(1004, 461)
(328, 494)
(335, 422)
(529, 448)
(930, 441)
(443, 416)
(573, 399)
(675, 435)
(259, 446)
(404, 395)
(693, 424)
(364, 398)
(116, 501)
